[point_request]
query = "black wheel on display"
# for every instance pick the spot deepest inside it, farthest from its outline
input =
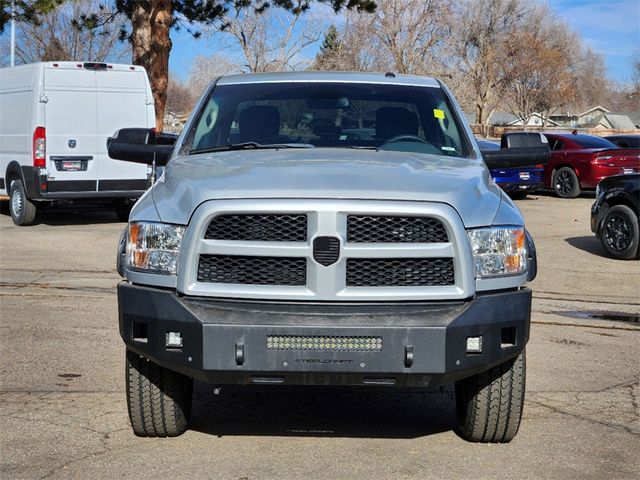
(620, 234)
(565, 183)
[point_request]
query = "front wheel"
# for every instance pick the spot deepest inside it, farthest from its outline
(489, 405)
(565, 183)
(620, 233)
(23, 212)
(158, 399)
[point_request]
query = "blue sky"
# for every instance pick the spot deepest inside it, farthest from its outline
(609, 27)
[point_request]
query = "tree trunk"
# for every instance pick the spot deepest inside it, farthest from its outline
(151, 45)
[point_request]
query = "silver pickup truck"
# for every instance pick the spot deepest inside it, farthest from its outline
(324, 228)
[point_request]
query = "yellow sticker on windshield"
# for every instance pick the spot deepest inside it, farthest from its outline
(438, 113)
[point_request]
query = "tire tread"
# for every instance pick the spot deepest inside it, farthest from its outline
(158, 399)
(489, 404)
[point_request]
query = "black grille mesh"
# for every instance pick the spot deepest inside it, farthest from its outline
(252, 270)
(388, 229)
(263, 227)
(399, 272)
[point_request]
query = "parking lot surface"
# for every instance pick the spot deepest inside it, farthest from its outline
(63, 407)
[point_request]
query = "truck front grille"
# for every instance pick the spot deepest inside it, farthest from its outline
(262, 228)
(395, 229)
(252, 270)
(400, 272)
(326, 250)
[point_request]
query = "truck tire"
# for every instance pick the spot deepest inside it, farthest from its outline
(566, 183)
(158, 399)
(489, 405)
(620, 233)
(23, 212)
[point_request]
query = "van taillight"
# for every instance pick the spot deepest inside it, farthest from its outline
(39, 147)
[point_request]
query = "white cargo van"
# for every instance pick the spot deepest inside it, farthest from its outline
(55, 118)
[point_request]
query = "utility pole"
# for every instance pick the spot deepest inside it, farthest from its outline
(13, 33)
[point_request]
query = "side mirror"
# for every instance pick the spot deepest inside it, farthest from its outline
(141, 145)
(521, 149)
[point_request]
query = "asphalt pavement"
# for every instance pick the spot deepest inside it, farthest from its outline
(63, 407)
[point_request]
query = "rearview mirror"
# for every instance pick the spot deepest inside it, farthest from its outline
(519, 149)
(141, 145)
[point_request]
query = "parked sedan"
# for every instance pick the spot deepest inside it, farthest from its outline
(614, 215)
(625, 141)
(517, 182)
(578, 162)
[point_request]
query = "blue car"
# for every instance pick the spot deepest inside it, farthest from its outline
(517, 182)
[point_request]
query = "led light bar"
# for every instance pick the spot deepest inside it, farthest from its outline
(324, 343)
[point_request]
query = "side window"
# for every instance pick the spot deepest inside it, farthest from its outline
(556, 145)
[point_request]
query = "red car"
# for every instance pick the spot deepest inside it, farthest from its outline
(578, 162)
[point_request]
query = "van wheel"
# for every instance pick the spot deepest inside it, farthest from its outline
(158, 399)
(23, 212)
(565, 183)
(489, 405)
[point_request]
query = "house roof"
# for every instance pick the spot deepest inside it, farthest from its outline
(502, 118)
(635, 117)
(617, 121)
(506, 118)
(597, 107)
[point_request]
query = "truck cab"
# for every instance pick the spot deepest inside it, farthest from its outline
(323, 228)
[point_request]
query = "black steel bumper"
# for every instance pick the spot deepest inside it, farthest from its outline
(225, 342)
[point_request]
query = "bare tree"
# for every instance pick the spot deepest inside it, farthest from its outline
(61, 35)
(409, 31)
(271, 40)
(355, 48)
(478, 30)
(179, 97)
(539, 75)
(207, 69)
(635, 75)
(401, 36)
(592, 87)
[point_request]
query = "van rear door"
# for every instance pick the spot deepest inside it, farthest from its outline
(124, 100)
(71, 126)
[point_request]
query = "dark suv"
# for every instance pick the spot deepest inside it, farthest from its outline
(614, 215)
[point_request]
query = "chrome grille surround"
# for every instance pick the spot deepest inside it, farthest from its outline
(326, 283)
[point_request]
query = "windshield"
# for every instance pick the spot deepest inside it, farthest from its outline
(333, 115)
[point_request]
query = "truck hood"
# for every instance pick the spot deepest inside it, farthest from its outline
(325, 173)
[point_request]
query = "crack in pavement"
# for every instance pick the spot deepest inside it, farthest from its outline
(18, 285)
(592, 404)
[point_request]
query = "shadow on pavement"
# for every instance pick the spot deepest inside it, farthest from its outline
(323, 412)
(589, 244)
(61, 215)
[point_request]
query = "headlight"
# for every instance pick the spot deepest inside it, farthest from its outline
(153, 247)
(498, 251)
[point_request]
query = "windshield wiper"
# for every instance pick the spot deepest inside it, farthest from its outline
(250, 146)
